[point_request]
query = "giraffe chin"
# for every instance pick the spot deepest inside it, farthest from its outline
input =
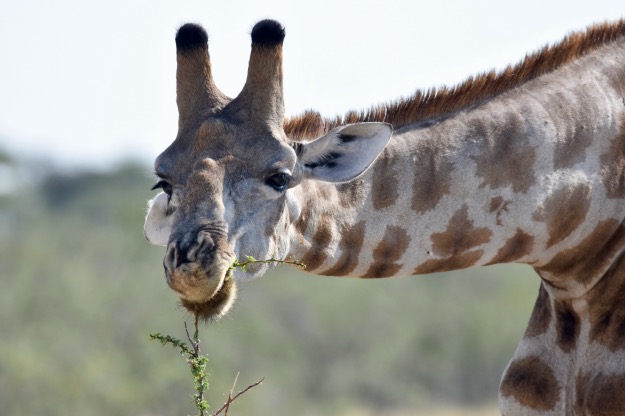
(216, 306)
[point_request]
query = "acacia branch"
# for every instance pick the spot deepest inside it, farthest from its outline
(232, 399)
(251, 260)
(236, 378)
(197, 362)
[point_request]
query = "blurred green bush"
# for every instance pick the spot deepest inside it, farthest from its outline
(81, 290)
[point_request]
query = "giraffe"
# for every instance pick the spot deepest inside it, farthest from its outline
(525, 165)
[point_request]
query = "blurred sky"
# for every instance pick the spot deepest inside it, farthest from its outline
(90, 83)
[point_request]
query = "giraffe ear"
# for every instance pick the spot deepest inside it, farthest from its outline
(343, 153)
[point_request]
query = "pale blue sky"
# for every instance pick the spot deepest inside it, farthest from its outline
(90, 83)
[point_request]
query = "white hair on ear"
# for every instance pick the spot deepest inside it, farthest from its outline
(158, 224)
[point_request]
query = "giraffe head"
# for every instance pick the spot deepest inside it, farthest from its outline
(229, 178)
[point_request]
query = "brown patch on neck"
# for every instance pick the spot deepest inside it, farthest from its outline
(532, 383)
(385, 181)
(457, 262)
(573, 150)
(433, 103)
(606, 304)
(317, 253)
(392, 247)
(567, 326)
(600, 394)
(433, 177)
(351, 194)
(509, 149)
(541, 315)
(350, 245)
(517, 247)
(455, 245)
(592, 255)
(460, 236)
(613, 171)
(564, 211)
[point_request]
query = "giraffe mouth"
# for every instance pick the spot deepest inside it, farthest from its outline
(217, 305)
(200, 273)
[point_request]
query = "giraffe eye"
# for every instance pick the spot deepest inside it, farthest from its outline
(279, 181)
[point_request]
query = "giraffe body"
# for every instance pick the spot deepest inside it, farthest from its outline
(525, 166)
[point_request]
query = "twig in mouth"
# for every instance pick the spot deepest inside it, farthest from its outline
(251, 260)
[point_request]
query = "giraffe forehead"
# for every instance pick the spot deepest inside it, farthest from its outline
(251, 144)
(236, 149)
(221, 136)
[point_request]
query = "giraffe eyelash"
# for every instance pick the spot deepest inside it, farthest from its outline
(165, 186)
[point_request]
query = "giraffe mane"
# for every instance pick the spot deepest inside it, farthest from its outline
(439, 102)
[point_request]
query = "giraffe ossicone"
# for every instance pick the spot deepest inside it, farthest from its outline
(526, 165)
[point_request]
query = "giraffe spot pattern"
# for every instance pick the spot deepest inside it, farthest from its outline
(569, 152)
(507, 147)
(350, 245)
(532, 383)
(433, 177)
(457, 262)
(385, 256)
(317, 254)
(517, 247)
(541, 315)
(607, 308)
(351, 194)
(460, 235)
(562, 222)
(567, 326)
(385, 183)
(455, 245)
(600, 394)
(324, 192)
(574, 137)
(613, 170)
(591, 254)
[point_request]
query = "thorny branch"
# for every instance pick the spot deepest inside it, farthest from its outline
(226, 405)
(251, 260)
(197, 362)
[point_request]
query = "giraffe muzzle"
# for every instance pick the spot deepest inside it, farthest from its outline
(197, 268)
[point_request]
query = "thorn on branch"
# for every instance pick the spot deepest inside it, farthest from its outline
(231, 399)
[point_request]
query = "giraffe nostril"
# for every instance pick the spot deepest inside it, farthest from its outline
(179, 253)
(172, 258)
(199, 247)
(204, 241)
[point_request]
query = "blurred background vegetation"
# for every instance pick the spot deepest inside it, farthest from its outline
(81, 291)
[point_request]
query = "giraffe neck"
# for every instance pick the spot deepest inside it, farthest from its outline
(535, 175)
(520, 178)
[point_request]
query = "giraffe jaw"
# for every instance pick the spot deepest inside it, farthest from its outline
(215, 307)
